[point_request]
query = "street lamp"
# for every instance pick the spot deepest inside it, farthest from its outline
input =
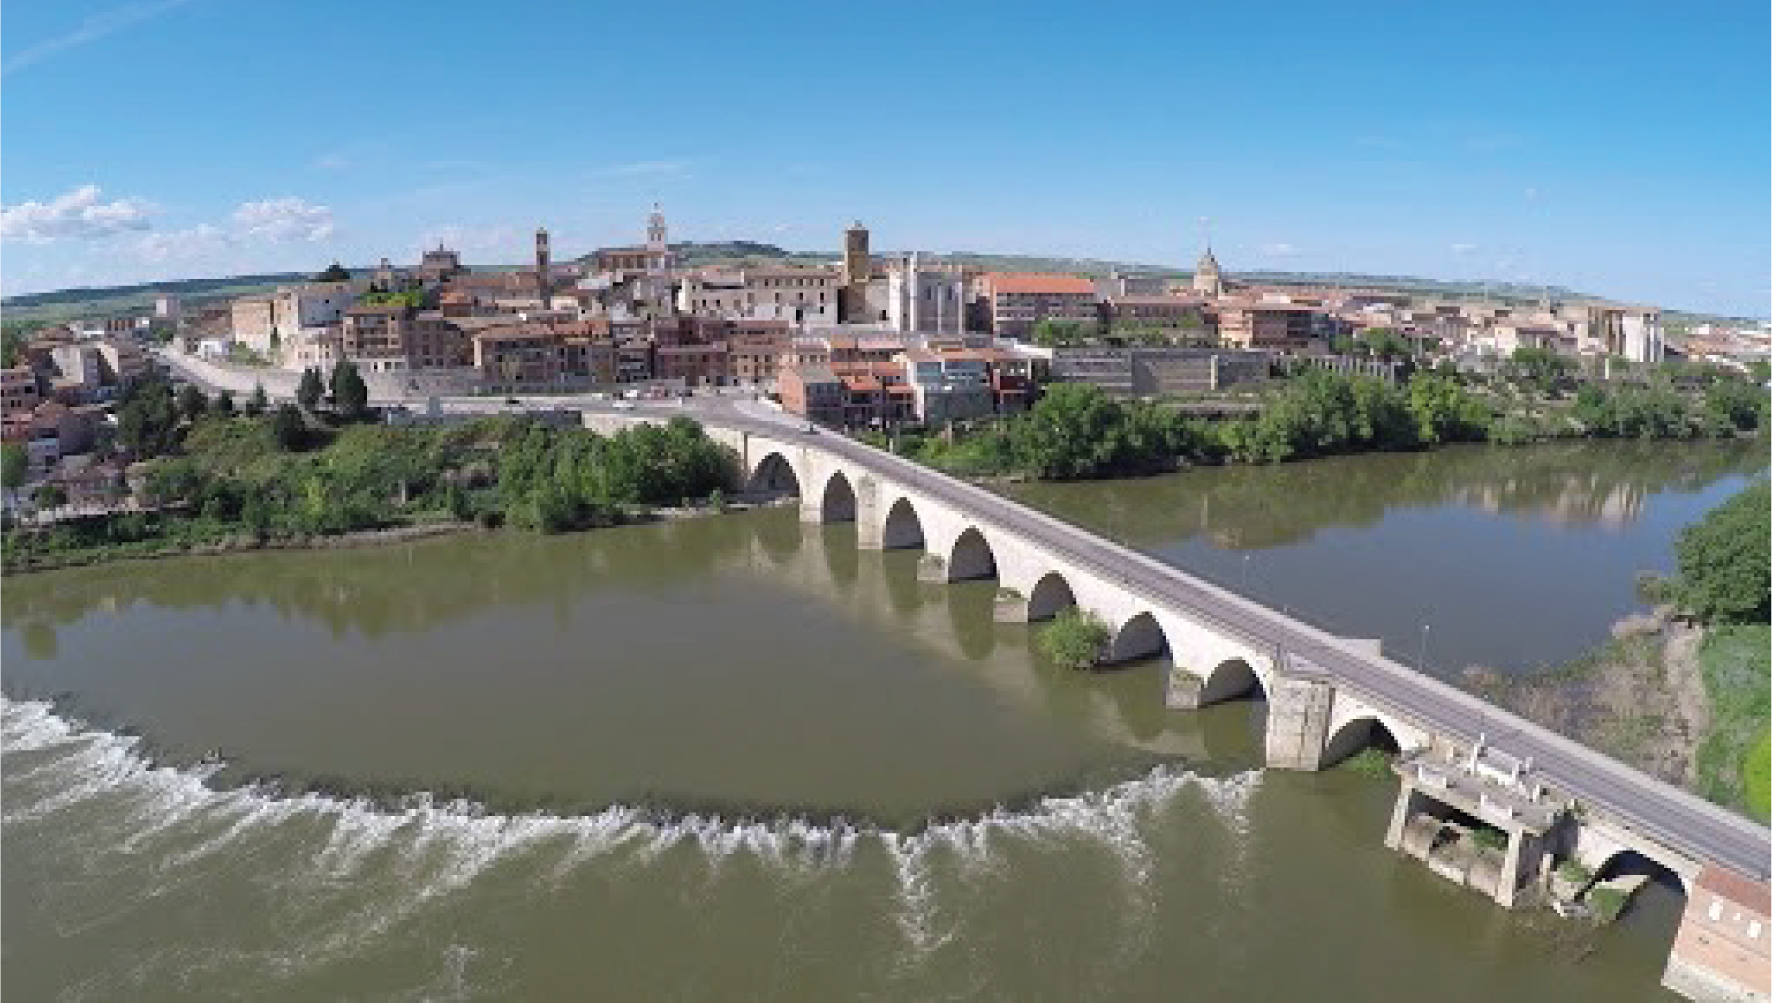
(1247, 572)
(1423, 649)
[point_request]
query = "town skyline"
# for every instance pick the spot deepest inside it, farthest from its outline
(1463, 174)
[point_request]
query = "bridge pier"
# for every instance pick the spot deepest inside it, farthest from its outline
(1299, 716)
(1182, 690)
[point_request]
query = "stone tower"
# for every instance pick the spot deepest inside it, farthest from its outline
(856, 273)
(1207, 274)
(656, 244)
(542, 265)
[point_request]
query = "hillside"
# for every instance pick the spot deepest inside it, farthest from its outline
(80, 302)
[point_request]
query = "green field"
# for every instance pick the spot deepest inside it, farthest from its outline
(1733, 764)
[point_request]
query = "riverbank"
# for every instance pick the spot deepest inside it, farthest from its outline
(1638, 698)
(241, 542)
(1077, 432)
(1682, 702)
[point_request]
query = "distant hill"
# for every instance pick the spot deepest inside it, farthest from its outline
(105, 301)
(82, 302)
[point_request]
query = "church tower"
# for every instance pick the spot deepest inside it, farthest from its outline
(856, 273)
(656, 244)
(1207, 275)
(542, 265)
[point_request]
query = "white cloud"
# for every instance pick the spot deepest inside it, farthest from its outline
(286, 219)
(92, 29)
(335, 161)
(184, 245)
(79, 214)
(1462, 247)
(1279, 249)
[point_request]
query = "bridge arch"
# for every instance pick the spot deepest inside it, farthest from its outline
(1356, 734)
(971, 557)
(1139, 638)
(902, 528)
(837, 504)
(1232, 679)
(1052, 593)
(774, 474)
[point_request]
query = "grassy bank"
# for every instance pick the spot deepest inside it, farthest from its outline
(1733, 757)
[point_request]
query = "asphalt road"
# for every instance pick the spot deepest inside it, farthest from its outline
(1671, 816)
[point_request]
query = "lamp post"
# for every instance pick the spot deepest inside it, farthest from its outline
(1423, 649)
(1247, 573)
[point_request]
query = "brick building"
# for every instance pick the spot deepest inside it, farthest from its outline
(1012, 303)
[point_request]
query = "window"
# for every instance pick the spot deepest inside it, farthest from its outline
(1755, 929)
(1716, 910)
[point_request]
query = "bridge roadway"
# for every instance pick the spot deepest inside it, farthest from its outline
(1669, 815)
(1678, 819)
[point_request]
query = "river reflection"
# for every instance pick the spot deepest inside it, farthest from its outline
(1507, 557)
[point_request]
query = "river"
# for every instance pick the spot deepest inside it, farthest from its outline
(737, 757)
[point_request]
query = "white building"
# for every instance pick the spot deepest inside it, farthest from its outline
(263, 323)
(926, 297)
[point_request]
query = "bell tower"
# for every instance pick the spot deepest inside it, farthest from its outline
(856, 273)
(542, 265)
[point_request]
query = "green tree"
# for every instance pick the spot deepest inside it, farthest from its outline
(148, 418)
(224, 404)
(350, 394)
(1072, 432)
(1384, 343)
(1444, 411)
(1054, 332)
(192, 403)
(50, 496)
(1542, 369)
(258, 402)
(15, 465)
(1722, 561)
(1074, 639)
(309, 389)
(287, 426)
(333, 273)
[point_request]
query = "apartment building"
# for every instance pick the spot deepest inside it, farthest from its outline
(1275, 326)
(1012, 303)
(814, 393)
(1721, 949)
(948, 386)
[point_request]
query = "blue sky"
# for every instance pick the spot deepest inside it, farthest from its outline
(1619, 149)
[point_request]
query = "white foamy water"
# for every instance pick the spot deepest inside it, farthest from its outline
(422, 849)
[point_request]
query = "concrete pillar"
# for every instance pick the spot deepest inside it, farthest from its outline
(1299, 714)
(933, 568)
(1510, 880)
(811, 509)
(1182, 690)
(1010, 608)
(1401, 814)
(869, 517)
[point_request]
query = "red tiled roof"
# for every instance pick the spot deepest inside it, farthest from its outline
(1039, 282)
(1739, 889)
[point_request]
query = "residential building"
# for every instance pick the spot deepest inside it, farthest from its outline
(948, 386)
(18, 393)
(1174, 315)
(1013, 303)
(1721, 948)
(814, 393)
(1276, 326)
(262, 323)
(518, 356)
(695, 365)
(1635, 333)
